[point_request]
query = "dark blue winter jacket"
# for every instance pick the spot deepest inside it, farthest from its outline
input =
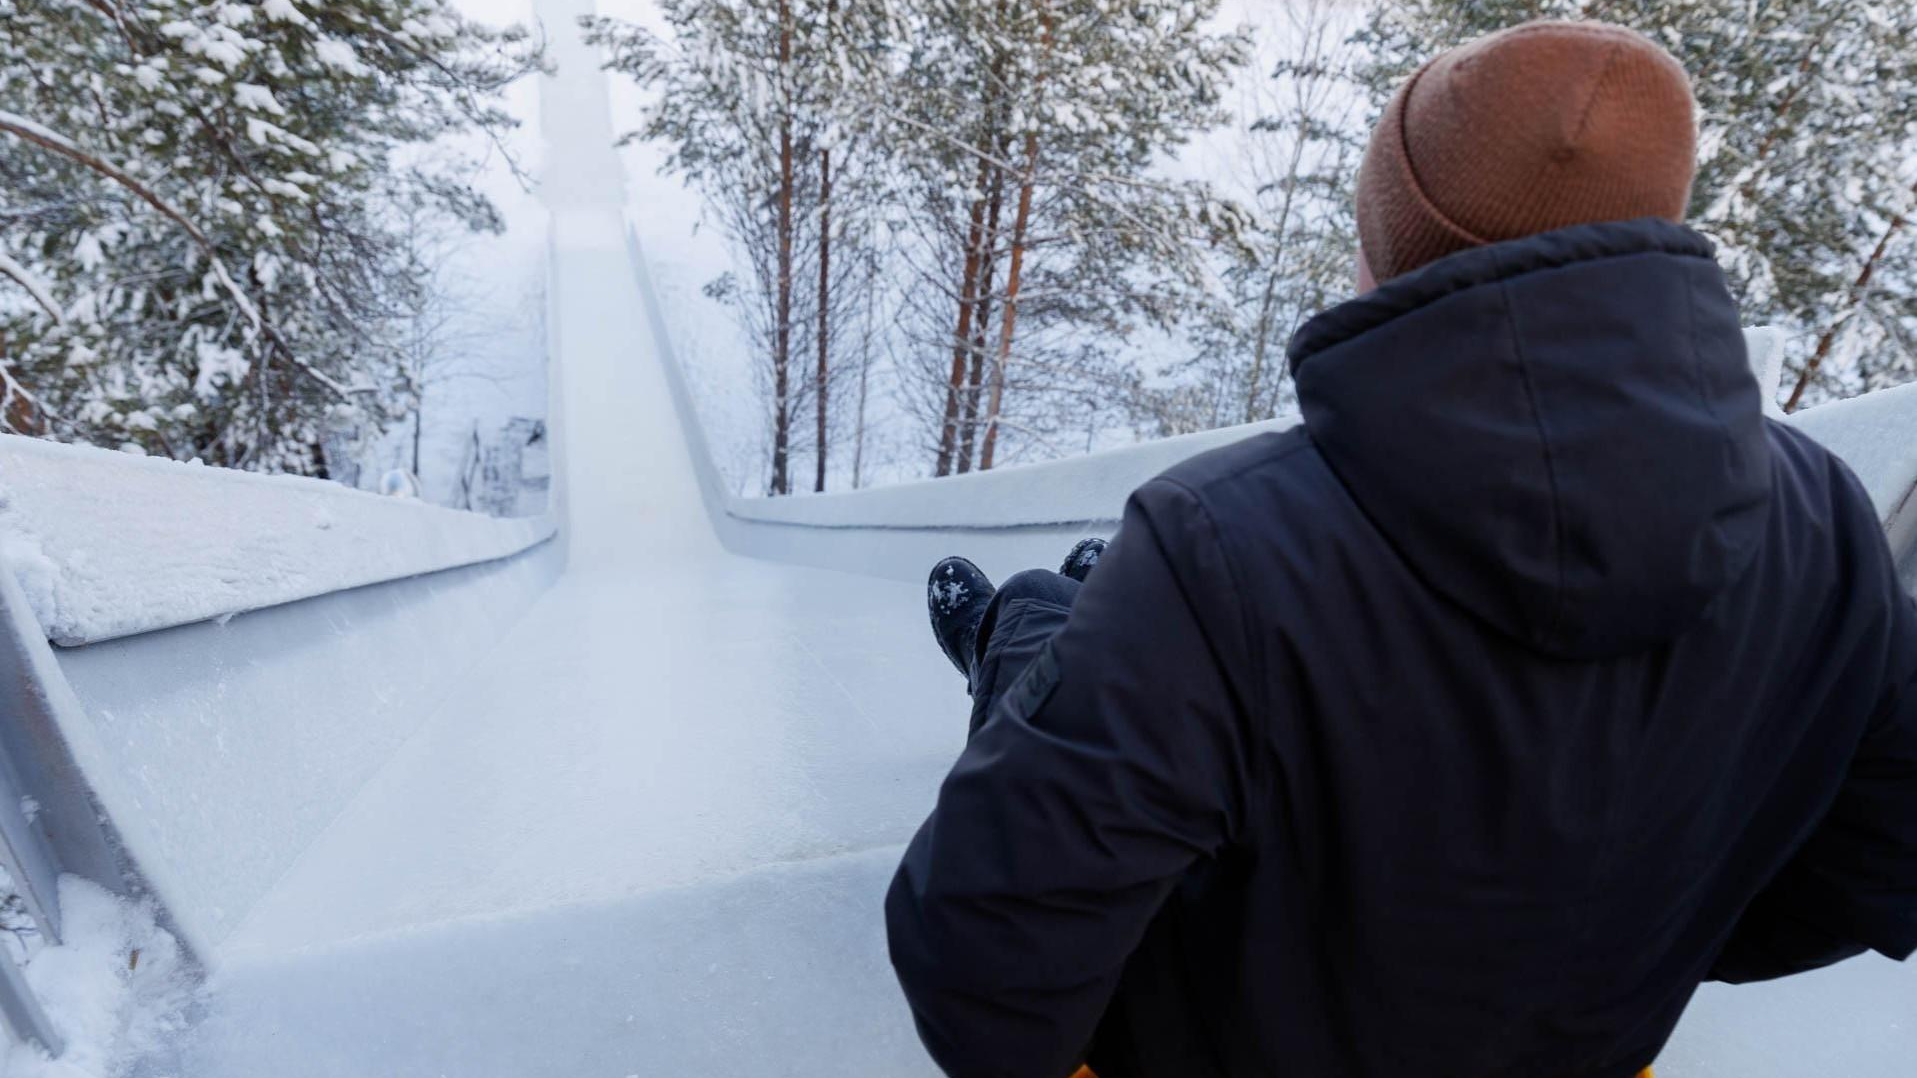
(1462, 731)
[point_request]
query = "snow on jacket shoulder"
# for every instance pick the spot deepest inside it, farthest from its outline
(1460, 732)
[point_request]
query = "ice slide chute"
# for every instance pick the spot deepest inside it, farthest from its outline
(619, 801)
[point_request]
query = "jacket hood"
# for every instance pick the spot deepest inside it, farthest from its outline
(1560, 433)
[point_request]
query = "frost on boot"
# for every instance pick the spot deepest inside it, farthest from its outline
(956, 596)
(1082, 559)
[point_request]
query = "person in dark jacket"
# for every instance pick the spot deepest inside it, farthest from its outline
(1466, 728)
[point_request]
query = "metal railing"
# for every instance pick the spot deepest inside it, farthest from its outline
(40, 785)
(31, 868)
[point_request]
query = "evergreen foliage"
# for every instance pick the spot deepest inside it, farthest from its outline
(208, 204)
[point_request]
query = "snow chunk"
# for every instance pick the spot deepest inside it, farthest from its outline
(116, 988)
(257, 98)
(284, 189)
(88, 251)
(266, 266)
(265, 134)
(227, 54)
(284, 11)
(338, 54)
(37, 574)
(35, 287)
(219, 366)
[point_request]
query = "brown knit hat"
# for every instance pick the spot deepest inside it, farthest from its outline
(1542, 126)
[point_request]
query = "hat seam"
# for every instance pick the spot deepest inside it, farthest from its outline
(1597, 90)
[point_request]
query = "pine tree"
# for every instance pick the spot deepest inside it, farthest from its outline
(204, 202)
(1808, 122)
(1026, 135)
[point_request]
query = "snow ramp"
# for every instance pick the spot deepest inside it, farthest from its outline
(612, 792)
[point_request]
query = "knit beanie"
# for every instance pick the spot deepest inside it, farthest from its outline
(1538, 127)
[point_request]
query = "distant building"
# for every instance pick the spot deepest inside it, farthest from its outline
(510, 473)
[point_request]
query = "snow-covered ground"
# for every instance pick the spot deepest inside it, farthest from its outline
(119, 986)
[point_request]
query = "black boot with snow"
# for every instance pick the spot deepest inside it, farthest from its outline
(957, 594)
(1083, 559)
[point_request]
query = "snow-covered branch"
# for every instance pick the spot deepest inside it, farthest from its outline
(46, 138)
(35, 287)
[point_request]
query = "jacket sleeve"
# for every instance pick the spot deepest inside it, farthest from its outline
(1853, 886)
(1115, 762)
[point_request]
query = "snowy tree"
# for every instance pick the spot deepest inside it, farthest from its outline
(983, 171)
(1298, 139)
(442, 329)
(749, 97)
(204, 202)
(1808, 123)
(1025, 137)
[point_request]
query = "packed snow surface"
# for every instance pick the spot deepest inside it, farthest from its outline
(106, 544)
(649, 833)
(117, 988)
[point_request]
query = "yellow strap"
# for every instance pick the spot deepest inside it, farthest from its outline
(1085, 1073)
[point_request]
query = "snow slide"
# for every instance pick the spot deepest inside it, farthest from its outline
(619, 803)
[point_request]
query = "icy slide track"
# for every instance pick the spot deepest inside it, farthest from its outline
(621, 803)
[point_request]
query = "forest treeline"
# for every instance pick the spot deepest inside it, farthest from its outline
(964, 233)
(989, 209)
